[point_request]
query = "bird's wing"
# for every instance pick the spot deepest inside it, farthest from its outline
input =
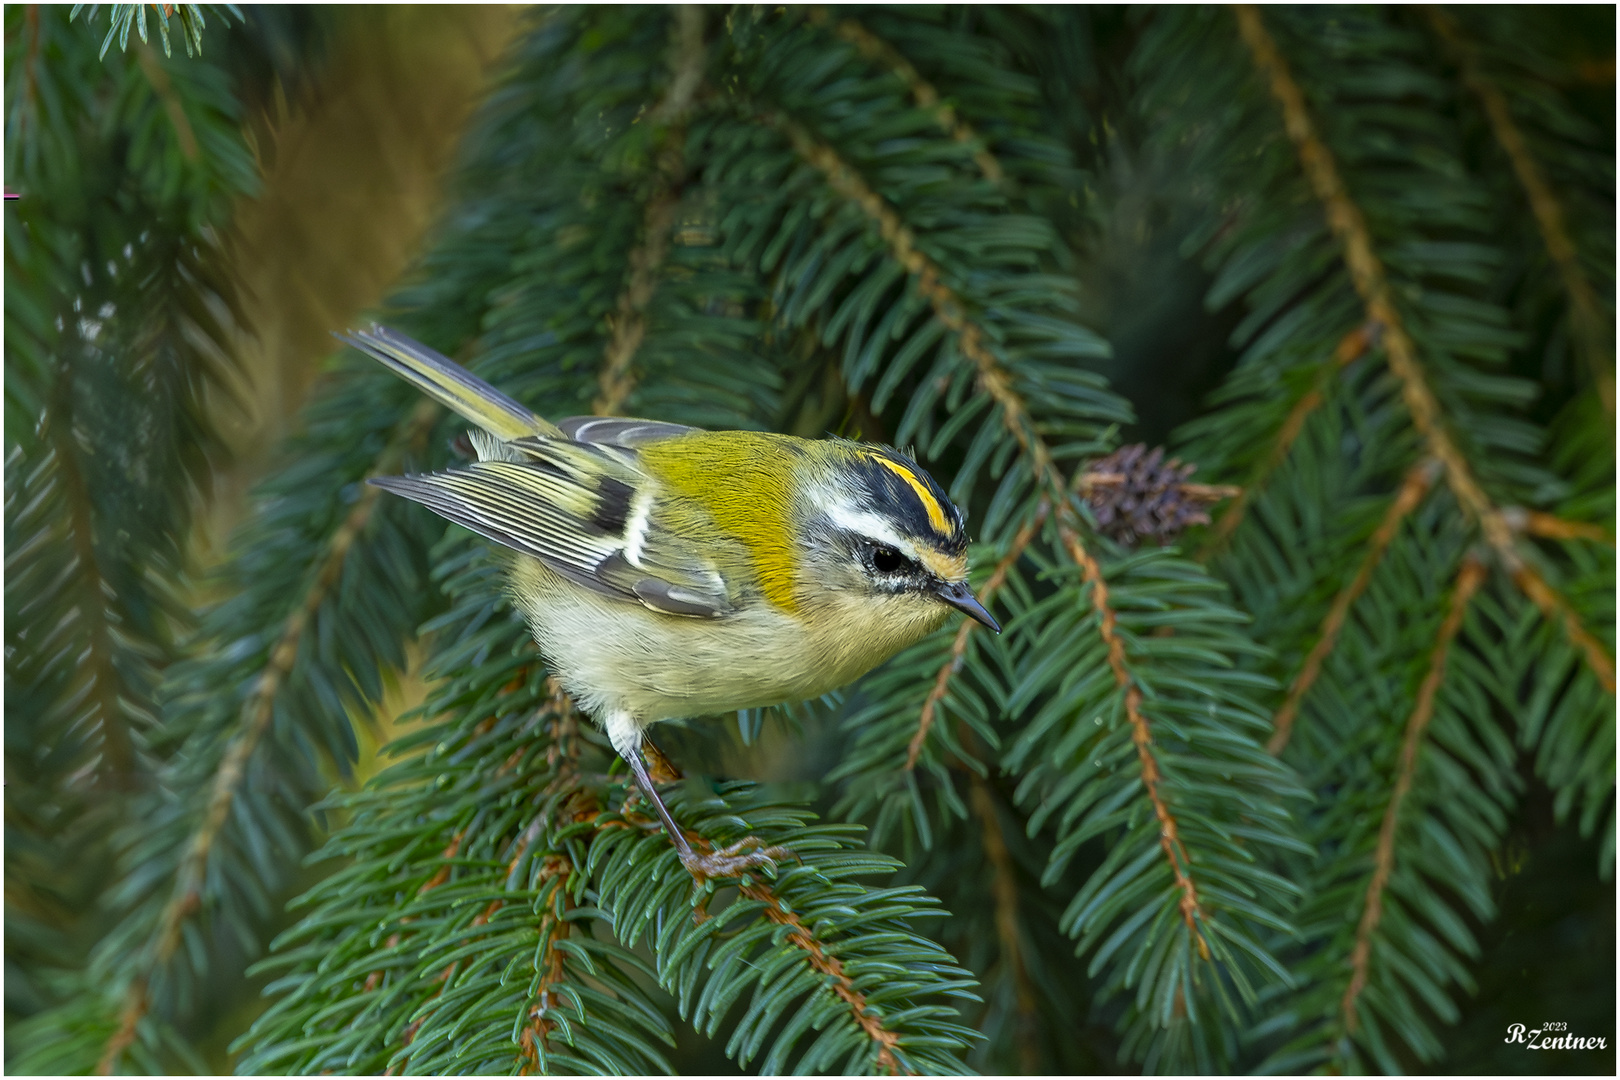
(619, 430)
(584, 511)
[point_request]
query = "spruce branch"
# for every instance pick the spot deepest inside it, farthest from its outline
(1367, 273)
(1141, 735)
(879, 51)
(1413, 488)
(948, 308)
(867, 1019)
(256, 715)
(1469, 579)
(1094, 913)
(1592, 334)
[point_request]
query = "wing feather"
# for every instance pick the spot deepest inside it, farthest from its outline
(583, 511)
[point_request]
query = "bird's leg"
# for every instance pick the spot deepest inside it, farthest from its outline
(731, 861)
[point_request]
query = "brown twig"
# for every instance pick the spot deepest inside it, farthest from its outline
(865, 1016)
(1004, 890)
(1551, 527)
(629, 322)
(1586, 315)
(1350, 348)
(874, 48)
(1372, 285)
(1468, 580)
(1416, 485)
(959, 647)
(257, 713)
(1557, 609)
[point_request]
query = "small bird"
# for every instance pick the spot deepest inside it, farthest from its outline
(669, 572)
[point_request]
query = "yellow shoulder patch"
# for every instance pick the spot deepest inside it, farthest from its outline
(936, 513)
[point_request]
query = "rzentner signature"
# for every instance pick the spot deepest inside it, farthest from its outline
(1542, 1038)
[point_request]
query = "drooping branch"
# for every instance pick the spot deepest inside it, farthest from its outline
(1468, 581)
(1592, 334)
(257, 713)
(1416, 485)
(1372, 285)
(629, 321)
(997, 382)
(879, 51)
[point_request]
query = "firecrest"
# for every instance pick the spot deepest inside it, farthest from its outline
(667, 572)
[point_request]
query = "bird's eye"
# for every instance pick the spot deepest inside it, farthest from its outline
(886, 560)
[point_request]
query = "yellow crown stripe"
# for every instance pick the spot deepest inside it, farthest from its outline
(936, 513)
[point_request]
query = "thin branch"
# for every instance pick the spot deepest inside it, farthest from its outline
(959, 648)
(1557, 609)
(1141, 735)
(1552, 527)
(875, 49)
(1004, 889)
(1350, 348)
(1367, 273)
(629, 322)
(1416, 485)
(1468, 580)
(257, 713)
(995, 380)
(801, 935)
(1586, 315)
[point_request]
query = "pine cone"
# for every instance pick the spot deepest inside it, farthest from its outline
(1136, 495)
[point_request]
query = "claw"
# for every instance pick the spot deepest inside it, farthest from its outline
(733, 861)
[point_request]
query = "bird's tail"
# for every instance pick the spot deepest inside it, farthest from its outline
(448, 383)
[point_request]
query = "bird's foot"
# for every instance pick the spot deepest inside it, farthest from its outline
(733, 861)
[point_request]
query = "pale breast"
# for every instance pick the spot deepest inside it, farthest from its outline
(616, 656)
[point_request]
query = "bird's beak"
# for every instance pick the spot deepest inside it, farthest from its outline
(960, 597)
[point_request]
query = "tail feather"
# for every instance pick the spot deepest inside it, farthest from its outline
(448, 383)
